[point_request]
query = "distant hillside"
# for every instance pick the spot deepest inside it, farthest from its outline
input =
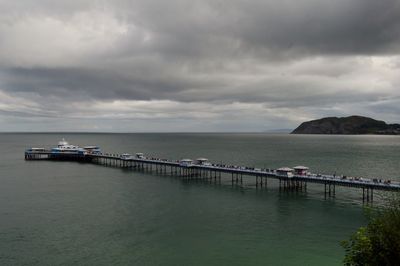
(347, 125)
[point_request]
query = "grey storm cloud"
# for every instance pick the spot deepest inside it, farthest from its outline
(277, 60)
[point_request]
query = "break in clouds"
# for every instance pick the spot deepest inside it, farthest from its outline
(203, 65)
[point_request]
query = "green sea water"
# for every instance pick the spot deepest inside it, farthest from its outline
(68, 213)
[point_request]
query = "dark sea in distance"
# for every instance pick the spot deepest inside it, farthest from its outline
(69, 213)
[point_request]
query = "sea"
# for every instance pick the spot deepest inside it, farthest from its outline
(70, 213)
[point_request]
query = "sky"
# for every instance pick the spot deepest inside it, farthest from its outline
(196, 66)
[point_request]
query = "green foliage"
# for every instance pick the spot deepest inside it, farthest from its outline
(379, 242)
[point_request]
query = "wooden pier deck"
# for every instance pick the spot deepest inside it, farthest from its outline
(214, 171)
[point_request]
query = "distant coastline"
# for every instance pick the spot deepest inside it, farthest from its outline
(351, 125)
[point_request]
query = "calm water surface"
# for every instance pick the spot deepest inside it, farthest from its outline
(63, 213)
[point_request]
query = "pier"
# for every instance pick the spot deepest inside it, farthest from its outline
(289, 179)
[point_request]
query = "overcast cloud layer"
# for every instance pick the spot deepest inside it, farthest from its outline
(209, 65)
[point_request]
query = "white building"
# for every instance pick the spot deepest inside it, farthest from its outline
(186, 162)
(285, 172)
(301, 170)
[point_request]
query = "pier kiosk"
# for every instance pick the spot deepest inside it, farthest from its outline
(125, 156)
(92, 149)
(186, 162)
(285, 172)
(140, 155)
(301, 170)
(202, 161)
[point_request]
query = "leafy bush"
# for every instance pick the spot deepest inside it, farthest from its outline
(378, 243)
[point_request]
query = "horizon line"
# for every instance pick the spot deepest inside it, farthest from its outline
(146, 132)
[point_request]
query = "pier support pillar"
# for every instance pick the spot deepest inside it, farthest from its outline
(363, 194)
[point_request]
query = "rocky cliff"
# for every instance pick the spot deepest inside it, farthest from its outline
(347, 125)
